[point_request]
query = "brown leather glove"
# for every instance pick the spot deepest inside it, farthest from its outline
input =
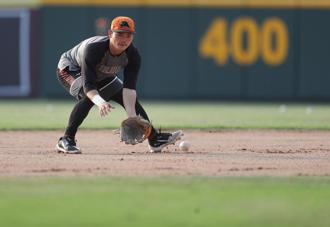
(135, 130)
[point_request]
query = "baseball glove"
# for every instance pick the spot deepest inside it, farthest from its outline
(135, 130)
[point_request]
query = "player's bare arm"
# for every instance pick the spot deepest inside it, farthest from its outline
(104, 106)
(129, 98)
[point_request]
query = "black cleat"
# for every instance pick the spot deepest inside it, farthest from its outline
(164, 139)
(67, 145)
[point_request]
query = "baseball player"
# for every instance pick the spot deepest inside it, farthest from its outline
(89, 71)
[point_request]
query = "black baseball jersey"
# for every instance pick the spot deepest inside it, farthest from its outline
(93, 58)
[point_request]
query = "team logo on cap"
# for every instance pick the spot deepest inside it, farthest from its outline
(124, 24)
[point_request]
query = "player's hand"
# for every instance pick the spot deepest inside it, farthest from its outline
(105, 109)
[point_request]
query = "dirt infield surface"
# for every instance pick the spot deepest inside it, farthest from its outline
(213, 153)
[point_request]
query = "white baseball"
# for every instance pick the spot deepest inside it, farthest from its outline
(184, 145)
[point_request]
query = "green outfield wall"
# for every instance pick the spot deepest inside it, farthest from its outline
(242, 50)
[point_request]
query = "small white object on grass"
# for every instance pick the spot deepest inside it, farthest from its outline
(283, 109)
(49, 108)
(309, 110)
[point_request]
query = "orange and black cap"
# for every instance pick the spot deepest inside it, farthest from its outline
(123, 24)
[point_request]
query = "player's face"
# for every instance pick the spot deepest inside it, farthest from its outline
(120, 40)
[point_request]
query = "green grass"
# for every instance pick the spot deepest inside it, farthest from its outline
(166, 201)
(42, 114)
(171, 201)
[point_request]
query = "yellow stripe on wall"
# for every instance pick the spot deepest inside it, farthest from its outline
(198, 3)
(176, 3)
(19, 3)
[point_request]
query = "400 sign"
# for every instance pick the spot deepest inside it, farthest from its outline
(244, 41)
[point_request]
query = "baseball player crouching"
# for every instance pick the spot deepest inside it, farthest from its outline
(89, 71)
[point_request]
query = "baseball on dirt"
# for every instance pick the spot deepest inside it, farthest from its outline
(184, 145)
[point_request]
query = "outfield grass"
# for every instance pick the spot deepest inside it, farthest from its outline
(30, 114)
(172, 201)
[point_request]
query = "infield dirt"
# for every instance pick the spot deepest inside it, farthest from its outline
(213, 153)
